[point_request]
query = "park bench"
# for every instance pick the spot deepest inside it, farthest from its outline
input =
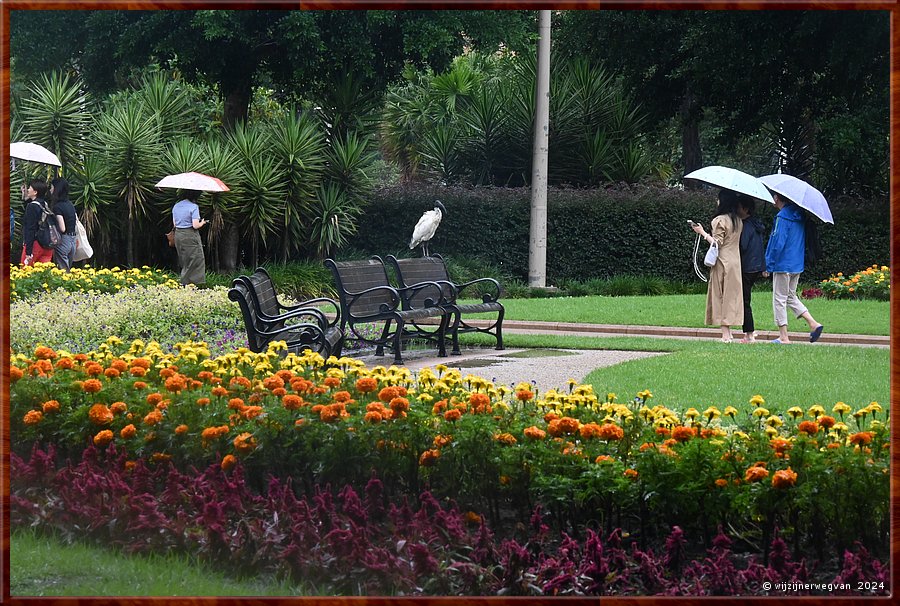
(434, 269)
(367, 298)
(301, 326)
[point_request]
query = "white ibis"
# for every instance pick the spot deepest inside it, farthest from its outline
(426, 227)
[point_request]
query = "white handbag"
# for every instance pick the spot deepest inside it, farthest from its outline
(83, 248)
(712, 255)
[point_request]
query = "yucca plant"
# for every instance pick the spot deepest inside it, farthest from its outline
(484, 117)
(334, 220)
(92, 190)
(54, 114)
(169, 104)
(221, 209)
(263, 203)
(348, 106)
(298, 144)
(350, 161)
(441, 153)
(407, 113)
(129, 140)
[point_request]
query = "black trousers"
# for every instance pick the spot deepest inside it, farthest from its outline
(748, 280)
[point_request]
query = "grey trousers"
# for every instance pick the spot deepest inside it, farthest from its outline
(784, 296)
(65, 248)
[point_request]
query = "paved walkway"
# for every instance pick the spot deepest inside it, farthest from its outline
(553, 367)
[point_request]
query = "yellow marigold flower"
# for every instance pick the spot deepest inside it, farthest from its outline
(757, 400)
(691, 413)
(771, 431)
(712, 413)
(731, 411)
(815, 410)
(795, 411)
(761, 412)
(774, 421)
(645, 395)
(874, 407)
(840, 408)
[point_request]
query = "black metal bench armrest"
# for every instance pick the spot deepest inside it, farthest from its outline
(413, 290)
(300, 307)
(314, 303)
(304, 312)
(488, 297)
(353, 297)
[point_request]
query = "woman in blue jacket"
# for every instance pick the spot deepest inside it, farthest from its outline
(784, 260)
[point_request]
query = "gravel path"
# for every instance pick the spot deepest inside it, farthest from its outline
(547, 368)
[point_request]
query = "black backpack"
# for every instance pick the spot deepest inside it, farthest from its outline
(47, 232)
(813, 244)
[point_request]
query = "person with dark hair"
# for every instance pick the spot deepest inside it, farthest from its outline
(35, 205)
(753, 259)
(187, 221)
(785, 261)
(724, 298)
(64, 213)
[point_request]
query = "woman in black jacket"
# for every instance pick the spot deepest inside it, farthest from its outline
(64, 215)
(753, 259)
(32, 251)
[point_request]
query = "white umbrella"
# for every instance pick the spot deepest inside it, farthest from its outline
(32, 152)
(735, 180)
(800, 193)
(197, 181)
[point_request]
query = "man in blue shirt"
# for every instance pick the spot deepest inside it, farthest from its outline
(784, 260)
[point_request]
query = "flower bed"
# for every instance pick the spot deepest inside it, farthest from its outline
(870, 283)
(31, 280)
(361, 543)
(820, 476)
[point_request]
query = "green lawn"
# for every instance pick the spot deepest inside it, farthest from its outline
(703, 373)
(838, 316)
(45, 566)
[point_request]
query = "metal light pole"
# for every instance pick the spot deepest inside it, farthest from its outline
(537, 246)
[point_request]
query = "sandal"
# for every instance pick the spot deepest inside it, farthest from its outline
(816, 333)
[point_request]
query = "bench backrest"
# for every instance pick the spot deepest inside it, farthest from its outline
(422, 269)
(265, 297)
(352, 277)
(241, 294)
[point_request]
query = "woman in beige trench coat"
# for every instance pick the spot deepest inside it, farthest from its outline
(724, 296)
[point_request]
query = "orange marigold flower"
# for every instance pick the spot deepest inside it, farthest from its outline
(808, 427)
(472, 518)
(646, 446)
(176, 383)
(202, 401)
(398, 414)
(228, 462)
(212, 433)
(160, 457)
(611, 432)
(119, 365)
(154, 398)
(80, 357)
(142, 362)
(534, 433)
(630, 473)
(328, 414)
(550, 416)
(292, 402)
(373, 417)
(219, 391)
(780, 445)
(721, 483)
(683, 433)
(100, 414)
(241, 382)
(388, 393)
(331, 382)
(301, 385)
(479, 400)
(554, 428)
(129, 465)
(244, 443)
(153, 417)
(273, 382)
(524, 395)
(279, 392)
(603, 459)
(103, 438)
(205, 375)
(118, 407)
(569, 425)
(662, 431)
(50, 406)
(429, 457)
(862, 438)
(342, 396)
(507, 439)
(251, 412)
(92, 386)
(181, 429)
(165, 373)
(784, 478)
(66, 363)
(15, 373)
(33, 417)
(399, 404)
(589, 431)
(834, 445)
(441, 440)
(452, 415)
(826, 422)
(235, 403)
(93, 369)
(44, 353)
(756, 473)
(140, 385)
(127, 432)
(366, 384)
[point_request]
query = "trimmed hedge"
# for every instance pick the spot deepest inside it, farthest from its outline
(599, 233)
